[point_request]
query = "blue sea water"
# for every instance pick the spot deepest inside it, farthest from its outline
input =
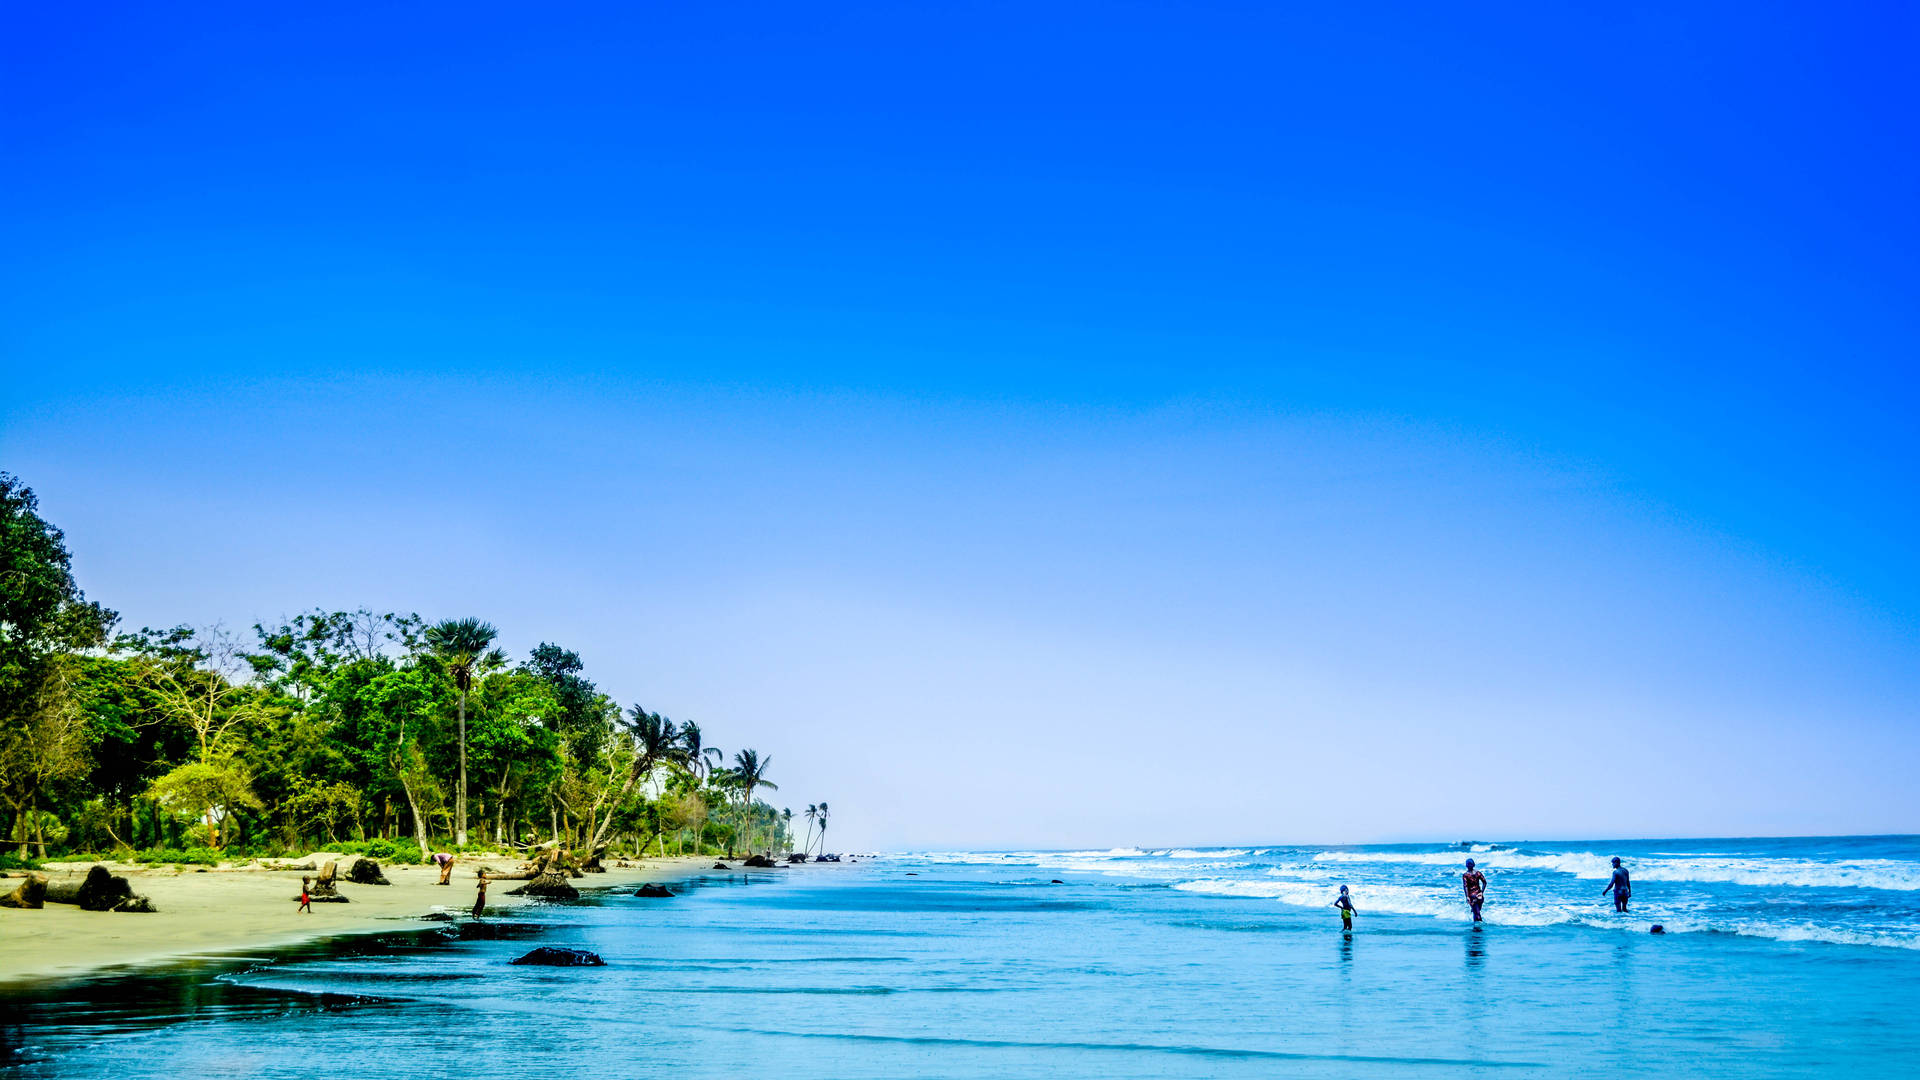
(1784, 958)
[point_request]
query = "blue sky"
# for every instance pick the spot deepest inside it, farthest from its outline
(1030, 424)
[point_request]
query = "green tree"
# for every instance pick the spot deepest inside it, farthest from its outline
(464, 647)
(44, 618)
(656, 741)
(750, 772)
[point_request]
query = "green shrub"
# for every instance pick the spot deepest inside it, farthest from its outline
(383, 850)
(198, 856)
(10, 861)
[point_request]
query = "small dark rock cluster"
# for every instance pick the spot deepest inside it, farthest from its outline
(549, 956)
(653, 891)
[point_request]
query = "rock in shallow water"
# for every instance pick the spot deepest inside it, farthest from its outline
(654, 891)
(549, 956)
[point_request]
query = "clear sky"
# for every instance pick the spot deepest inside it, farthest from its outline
(1032, 425)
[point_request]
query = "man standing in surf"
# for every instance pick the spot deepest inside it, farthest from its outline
(1620, 887)
(1475, 883)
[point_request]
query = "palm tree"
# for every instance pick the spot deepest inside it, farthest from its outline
(697, 754)
(462, 645)
(657, 741)
(750, 772)
(812, 812)
(823, 828)
(786, 826)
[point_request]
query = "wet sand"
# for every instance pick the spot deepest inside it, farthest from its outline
(235, 909)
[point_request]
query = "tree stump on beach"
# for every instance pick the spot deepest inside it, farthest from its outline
(31, 894)
(323, 889)
(547, 878)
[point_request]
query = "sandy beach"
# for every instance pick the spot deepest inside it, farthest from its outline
(219, 910)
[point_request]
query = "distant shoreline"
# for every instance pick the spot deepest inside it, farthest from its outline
(238, 908)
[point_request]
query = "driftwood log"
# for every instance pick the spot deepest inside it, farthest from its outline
(100, 890)
(32, 893)
(306, 867)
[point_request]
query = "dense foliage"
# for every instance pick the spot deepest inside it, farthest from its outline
(344, 730)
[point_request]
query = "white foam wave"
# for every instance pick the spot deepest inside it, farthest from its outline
(1888, 874)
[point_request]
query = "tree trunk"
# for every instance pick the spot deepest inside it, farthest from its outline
(419, 823)
(460, 796)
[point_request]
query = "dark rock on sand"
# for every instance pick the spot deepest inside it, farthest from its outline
(136, 903)
(721, 866)
(367, 872)
(437, 916)
(760, 862)
(548, 956)
(653, 890)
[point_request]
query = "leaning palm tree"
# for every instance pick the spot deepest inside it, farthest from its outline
(812, 812)
(698, 753)
(463, 647)
(823, 828)
(656, 742)
(750, 771)
(786, 828)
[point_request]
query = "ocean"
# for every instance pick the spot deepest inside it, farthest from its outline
(1780, 958)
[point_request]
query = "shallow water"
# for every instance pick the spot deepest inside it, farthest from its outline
(1138, 965)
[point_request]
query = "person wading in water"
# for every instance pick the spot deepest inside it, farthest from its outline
(480, 898)
(1620, 886)
(1345, 904)
(1475, 883)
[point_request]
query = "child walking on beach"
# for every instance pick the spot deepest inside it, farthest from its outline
(1345, 904)
(306, 901)
(480, 899)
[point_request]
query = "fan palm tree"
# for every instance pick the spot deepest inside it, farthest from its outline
(750, 771)
(786, 827)
(823, 828)
(657, 741)
(812, 812)
(463, 646)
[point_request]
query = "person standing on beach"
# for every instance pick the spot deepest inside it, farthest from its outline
(306, 901)
(1620, 886)
(444, 861)
(1475, 884)
(480, 899)
(1345, 904)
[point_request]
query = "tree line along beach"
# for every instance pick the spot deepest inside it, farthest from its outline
(188, 759)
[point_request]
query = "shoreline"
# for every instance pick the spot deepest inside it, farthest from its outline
(205, 913)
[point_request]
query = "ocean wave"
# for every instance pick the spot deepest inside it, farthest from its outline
(1447, 904)
(1887, 874)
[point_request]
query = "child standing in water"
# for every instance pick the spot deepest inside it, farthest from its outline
(1475, 884)
(1345, 904)
(480, 900)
